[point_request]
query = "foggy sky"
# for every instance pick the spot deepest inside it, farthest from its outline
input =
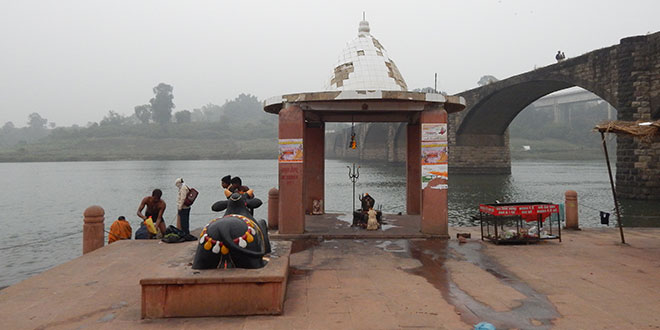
(73, 61)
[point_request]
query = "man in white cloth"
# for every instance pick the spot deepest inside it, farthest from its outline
(183, 210)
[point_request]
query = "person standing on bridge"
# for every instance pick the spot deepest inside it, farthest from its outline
(560, 56)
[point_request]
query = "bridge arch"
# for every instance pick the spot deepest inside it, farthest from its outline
(375, 144)
(624, 75)
(497, 106)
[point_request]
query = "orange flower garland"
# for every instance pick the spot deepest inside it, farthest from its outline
(217, 246)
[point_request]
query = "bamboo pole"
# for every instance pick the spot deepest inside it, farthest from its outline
(616, 204)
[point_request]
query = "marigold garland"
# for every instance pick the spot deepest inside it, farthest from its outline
(217, 246)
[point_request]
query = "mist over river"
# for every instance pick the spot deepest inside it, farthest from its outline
(42, 203)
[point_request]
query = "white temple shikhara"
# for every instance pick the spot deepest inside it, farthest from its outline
(365, 65)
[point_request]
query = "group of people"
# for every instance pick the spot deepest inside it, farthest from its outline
(154, 206)
(560, 56)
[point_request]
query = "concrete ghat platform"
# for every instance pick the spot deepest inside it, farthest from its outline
(588, 281)
(179, 291)
(338, 226)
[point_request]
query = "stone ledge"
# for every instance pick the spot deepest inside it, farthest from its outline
(365, 235)
(180, 291)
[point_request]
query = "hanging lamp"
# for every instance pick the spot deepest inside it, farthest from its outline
(353, 143)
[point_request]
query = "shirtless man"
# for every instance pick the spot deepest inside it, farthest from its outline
(155, 208)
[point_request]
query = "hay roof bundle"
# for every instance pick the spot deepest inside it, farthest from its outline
(645, 130)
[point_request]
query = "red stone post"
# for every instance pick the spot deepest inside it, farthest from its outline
(291, 218)
(314, 154)
(93, 234)
(413, 169)
(273, 208)
(571, 209)
(434, 195)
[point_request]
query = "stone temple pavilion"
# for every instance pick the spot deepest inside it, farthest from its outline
(365, 86)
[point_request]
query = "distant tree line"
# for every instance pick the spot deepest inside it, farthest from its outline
(242, 117)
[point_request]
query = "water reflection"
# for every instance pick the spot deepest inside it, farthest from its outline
(529, 181)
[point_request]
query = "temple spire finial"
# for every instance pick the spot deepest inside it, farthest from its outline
(364, 25)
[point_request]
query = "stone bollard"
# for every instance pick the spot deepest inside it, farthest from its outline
(571, 207)
(273, 208)
(93, 235)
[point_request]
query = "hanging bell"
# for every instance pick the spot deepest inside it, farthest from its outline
(201, 240)
(216, 247)
(224, 250)
(241, 242)
(249, 238)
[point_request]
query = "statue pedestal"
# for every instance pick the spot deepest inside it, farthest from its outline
(185, 292)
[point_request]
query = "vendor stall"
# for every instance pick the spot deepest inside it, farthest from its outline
(519, 222)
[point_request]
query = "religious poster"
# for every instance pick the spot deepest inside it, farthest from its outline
(291, 151)
(430, 172)
(434, 153)
(434, 132)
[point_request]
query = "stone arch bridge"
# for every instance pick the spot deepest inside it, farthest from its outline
(626, 75)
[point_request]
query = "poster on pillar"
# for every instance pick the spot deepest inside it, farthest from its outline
(434, 132)
(430, 172)
(291, 151)
(435, 155)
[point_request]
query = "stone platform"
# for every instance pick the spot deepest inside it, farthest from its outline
(588, 281)
(180, 291)
(338, 226)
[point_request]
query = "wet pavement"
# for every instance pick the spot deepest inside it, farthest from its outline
(534, 311)
(588, 281)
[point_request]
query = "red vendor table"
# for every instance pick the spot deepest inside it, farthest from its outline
(519, 222)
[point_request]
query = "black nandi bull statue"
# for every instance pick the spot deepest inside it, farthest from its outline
(235, 240)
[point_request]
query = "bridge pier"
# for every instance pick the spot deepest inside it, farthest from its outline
(479, 153)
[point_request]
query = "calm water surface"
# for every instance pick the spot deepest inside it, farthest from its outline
(42, 203)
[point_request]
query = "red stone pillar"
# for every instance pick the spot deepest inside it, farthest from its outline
(571, 209)
(413, 169)
(434, 195)
(291, 173)
(273, 208)
(314, 163)
(93, 235)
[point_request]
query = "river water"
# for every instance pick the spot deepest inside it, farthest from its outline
(42, 203)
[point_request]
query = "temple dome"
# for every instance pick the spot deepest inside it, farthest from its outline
(365, 65)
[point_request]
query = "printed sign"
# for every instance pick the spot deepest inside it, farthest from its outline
(430, 172)
(434, 132)
(532, 209)
(434, 153)
(291, 151)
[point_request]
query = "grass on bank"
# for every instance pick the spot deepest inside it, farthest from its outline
(140, 148)
(132, 147)
(555, 149)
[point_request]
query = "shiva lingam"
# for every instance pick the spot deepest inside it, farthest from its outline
(361, 216)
